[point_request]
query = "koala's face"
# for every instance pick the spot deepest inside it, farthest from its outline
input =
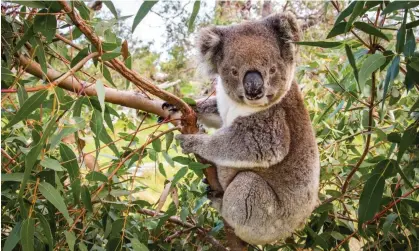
(255, 60)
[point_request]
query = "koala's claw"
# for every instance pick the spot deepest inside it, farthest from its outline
(173, 112)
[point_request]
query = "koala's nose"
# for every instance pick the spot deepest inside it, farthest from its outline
(253, 85)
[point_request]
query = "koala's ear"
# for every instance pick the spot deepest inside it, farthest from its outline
(284, 25)
(210, 47)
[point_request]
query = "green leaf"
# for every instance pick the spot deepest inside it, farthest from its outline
(168, 158)
(7, 75)
(359, 6)
(156, 145)
(352, 62)
(338, 29)
(40, 53)
(111, 7)
(97, 126)
(51, 164)
(107, 74)
(110, 55)
(100, 90)
(410, 46)
(45, 24)
(179, 175)
(82, 54)
(398, 5)
(14, 236)
(401, 35)
(189, 101)
(169, 140)
(195, 11)
(109, 46)
(137, 245)
(321, 44)
(182, 160)
(71, 239)
(22, 95)
(388, 222)
(369, 29)
(406, 141)
(371, 64)
(142, 12)
(27, 231)
(86, 199)
(392, 73)
(46, 231)
(345, 13)
(96, 176)
(370, 199)
(412, 77)
(25, 38)
(412, 24)
(18, 177)
(30, 105)
(53, 196)
(69, 160)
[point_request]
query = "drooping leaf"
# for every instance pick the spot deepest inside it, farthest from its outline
(82, 54)
(412, 77)
(169, 139)
(21, 92)
(107, 75)
(27, 231)
(355, 13)
(96, 176)
(398, 5)
(410, 46)
(406, 141)
(156, 145)
(86, 198)
(14, 235)
(71, 239)
(30, 105)
(100, 90)
(142, 12)
(45, 24)
(97, 126)
(53, 196)
(25, 38)
(110, 55)
(345, 13)
(111, 7)
(137, 245)
(352, 62)
(46, 230)
(392, 73)
(51, 164)
(338, 29)
(195, 11)
(369, 29)
(7, 75)
(40, 53)
(321, 44)
(401, 35)
(371, 64)
(69, 161)
(179, 175)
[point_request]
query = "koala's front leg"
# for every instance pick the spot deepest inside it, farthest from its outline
(242, 145)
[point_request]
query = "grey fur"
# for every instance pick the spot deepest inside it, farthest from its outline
(267, 158)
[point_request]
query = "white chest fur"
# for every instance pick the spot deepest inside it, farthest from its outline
(229, 109)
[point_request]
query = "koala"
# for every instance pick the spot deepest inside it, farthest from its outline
(264, 150)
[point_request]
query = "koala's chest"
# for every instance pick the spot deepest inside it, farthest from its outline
(229, 110)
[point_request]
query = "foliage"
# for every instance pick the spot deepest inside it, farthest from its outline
(80, 173)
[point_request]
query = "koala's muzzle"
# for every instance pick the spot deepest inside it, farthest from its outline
(253, 85)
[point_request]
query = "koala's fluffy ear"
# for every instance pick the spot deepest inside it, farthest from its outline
(285, 26)
(210, 46)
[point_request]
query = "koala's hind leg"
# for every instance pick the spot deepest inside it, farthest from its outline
(251, 207)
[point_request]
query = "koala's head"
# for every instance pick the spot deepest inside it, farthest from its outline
(255, 60)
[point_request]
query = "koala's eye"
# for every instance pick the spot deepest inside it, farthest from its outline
(234, 72)
(272, 70)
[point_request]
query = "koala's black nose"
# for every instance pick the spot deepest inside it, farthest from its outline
(253, 85)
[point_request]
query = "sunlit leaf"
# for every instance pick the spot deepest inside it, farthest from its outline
(142, 12)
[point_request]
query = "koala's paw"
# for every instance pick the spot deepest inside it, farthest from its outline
(216, 200)
(187, 143)
(174, 113)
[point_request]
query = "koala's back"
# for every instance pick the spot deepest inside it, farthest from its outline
(283, 194)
